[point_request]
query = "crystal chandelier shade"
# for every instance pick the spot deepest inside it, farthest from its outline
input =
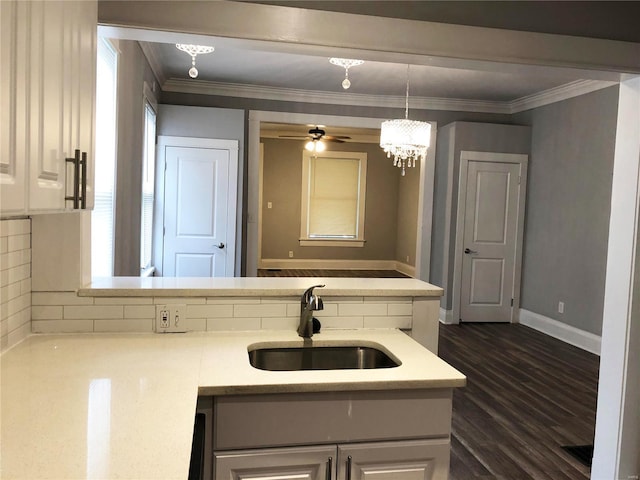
(346, 63)
(406, 140)
(193, 51)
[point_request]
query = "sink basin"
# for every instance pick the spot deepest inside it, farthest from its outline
(320, 358)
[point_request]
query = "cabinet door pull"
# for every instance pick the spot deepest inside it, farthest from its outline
(329, 468)
(349, 461)
(83, 197)
(76, 179)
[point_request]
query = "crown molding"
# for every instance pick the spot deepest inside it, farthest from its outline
(553, 95)
(202, 87)
(150, 51)
(563, 92)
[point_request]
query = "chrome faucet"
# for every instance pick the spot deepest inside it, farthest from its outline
(308, 304)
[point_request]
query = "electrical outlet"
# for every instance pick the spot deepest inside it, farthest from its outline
(171, 318)
(560, 307)
(269, 205)
(290, 253)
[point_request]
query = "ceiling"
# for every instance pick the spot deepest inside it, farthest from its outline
(238, 66)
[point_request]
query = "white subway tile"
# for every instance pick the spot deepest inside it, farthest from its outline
(17, 258)
(122, 301)
(17, 320)
(140, 311)
(388, 322)
(18, 304)
(62, 326)
(341, 322)
(122, 325)
(278, 300)
(330, 310)
(260, 311)
(17, 335)
(232, 300)
(396, 309)
(4, 261)
(4, 244)
(59, 298)
(343, 299)
(179, 300)
(4, 326)
(4, 278)
(12, 291)
(18, 227)
(17, 274)
(4, 343)
(293, 309)
(241, 324)
(19, 242)
(25, 285)
(196, 324)
(46, 312)
(287, 323)
(350, 309)
(93, 312)
(209, 311)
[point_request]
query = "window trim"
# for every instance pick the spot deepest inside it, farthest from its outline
(307, 241)
(148, 103)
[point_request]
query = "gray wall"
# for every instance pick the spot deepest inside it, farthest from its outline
(282, 175)
(206, 122)
(407, 214)
(133, 71)
(568, 206)
(459, 136)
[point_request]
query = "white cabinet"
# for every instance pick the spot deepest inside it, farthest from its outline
(345, 435)
(400, 460)
(299, 463)
(50, 90)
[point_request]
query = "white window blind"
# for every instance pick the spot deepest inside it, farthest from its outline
(333, 198)
(148, 178)
(102, 216)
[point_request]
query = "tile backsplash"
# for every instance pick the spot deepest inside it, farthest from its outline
(15, 281)
(57, 312)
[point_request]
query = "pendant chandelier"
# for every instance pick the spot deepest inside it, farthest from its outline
(194, 50)
(406, 140)
(346, 63)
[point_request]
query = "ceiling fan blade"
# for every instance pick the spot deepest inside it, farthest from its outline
(336, 137)
(300, 137)
(333, 139)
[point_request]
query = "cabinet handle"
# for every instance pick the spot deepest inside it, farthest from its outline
(329, 468)
(76, 179)
(349, 460)
(83, 198)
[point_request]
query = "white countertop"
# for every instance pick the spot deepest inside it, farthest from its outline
(121, 406)
(256, 286)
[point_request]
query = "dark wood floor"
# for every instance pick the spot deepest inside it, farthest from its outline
(527, 394)
(330, 273)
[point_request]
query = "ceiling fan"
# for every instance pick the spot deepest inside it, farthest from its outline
(316, 134)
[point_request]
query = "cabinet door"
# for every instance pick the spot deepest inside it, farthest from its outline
(405, 460)
(301, 463)
(61, 97)
(13, 81)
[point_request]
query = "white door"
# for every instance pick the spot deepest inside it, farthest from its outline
(199, 211)
(402, 460)
(489, 241)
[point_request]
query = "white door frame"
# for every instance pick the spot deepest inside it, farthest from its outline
(165, 141)
(254, 183)
(465, 157)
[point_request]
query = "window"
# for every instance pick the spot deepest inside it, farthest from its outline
(148, 177)
(102, 216)
(333, 199)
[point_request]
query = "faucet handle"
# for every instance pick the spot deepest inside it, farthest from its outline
(315, 303)
(308, 293)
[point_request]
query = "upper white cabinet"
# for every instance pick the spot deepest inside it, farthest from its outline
(51, 92)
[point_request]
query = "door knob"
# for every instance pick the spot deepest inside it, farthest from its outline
(220, 245)
(468, 250)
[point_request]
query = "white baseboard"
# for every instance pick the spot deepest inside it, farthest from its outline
(574, 336)
(446, 317)
(316, 264)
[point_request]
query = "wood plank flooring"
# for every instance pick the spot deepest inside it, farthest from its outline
(331, 273)
(527, 394)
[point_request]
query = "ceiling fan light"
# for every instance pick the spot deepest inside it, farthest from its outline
(320, 146)
(310, 146)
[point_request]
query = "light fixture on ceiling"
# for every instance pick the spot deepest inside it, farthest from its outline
(407, 140)
(315, 145)
(346, 63)
(194, 50)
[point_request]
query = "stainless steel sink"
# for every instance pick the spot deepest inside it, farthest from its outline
(320, 358)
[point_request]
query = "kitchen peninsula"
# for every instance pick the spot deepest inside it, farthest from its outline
(122, 405)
